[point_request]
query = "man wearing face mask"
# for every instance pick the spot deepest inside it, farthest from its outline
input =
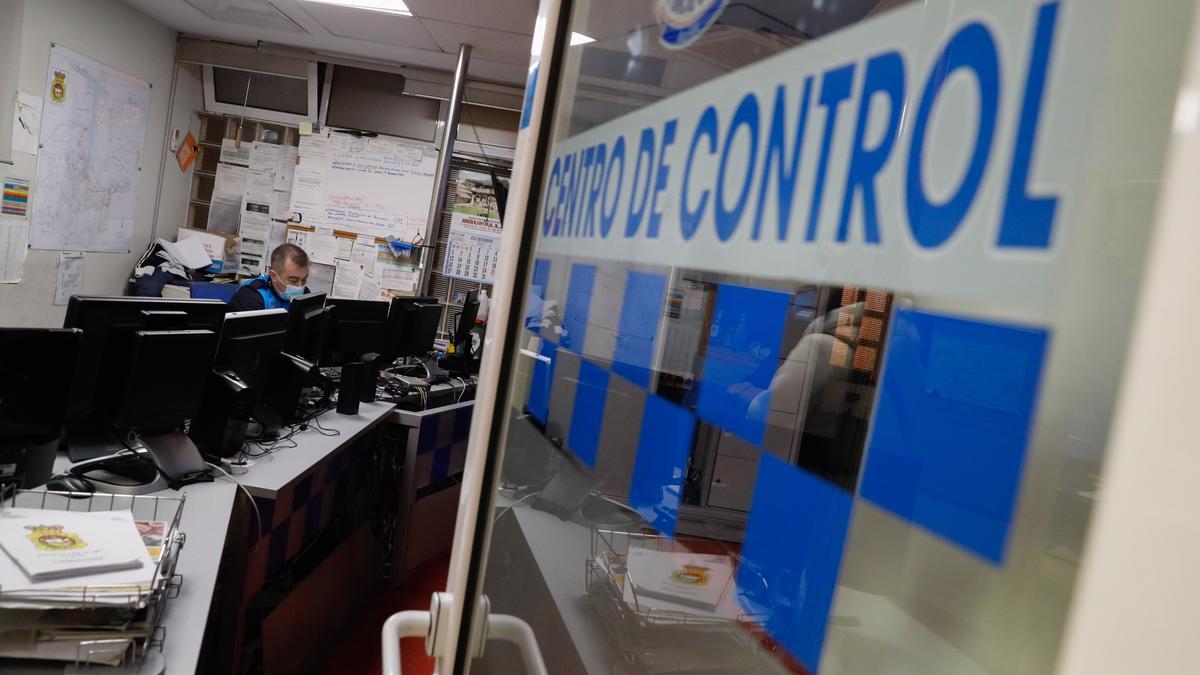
(284, 280)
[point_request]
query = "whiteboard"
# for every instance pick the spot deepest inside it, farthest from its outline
(93, 130)
(375, 186)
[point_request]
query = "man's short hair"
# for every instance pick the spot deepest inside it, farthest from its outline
(288, 252)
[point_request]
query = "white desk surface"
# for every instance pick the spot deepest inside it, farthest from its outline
(205, 521)
(271, 473)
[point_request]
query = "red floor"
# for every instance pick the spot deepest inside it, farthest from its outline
(356, 651)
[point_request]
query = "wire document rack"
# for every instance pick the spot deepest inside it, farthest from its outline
(135, 644)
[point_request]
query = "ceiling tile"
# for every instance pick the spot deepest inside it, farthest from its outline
(512, 16)
(381, 27)
(488, 43)
(258, 13)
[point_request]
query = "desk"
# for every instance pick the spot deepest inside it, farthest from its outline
(297, 491)
(274, 473)
(435, 452)
(206, 516)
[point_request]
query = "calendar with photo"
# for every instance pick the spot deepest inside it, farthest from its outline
(473, 246)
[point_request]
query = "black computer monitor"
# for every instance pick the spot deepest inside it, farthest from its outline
(108, 325)
(36, 368)
(164, 385)
(246, 372)
(466, 319)
(249, 342)
(353, 328)
(305, 326)
(412, 326)
(160, 393)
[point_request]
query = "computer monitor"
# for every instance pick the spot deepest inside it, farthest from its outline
(412, 326)
(305, 326)
(36, 368)
(250, 341)
(108, 325)
(466, 319)
(164, 385)
(160, 393)
(353, 328)
(246, 367)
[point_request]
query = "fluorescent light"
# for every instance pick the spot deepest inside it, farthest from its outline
(539, 33)
(389, 6)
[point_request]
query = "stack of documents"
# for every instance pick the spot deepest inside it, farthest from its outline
(75, 586)
(670, 586)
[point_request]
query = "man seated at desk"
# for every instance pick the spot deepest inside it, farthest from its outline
(287, 274)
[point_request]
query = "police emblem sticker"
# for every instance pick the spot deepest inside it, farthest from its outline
(58, 89)
(684, 21)
(53, 538)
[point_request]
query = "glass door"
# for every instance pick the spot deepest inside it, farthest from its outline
(814, 326)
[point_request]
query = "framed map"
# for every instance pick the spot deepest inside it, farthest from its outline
(93, 130)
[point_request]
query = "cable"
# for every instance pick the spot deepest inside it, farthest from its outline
(257, 513)
(510, 506)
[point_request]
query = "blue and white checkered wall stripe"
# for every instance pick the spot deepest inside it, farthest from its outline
(950, 428)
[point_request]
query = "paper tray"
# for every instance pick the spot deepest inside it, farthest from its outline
(167, 582)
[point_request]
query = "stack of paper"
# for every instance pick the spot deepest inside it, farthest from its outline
(189, 253)
(59, 544)
(95, 573)
(666, 586)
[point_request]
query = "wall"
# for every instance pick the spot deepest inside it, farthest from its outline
(118, 35)
(176, 187)
(10, 51)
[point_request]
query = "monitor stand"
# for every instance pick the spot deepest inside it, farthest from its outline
(86, 442)
(178, 457)
(174, 454)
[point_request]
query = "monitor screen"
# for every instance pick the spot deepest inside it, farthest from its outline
(412, 326)
(466, 318)
(249, 340)
(305, 316)
(108, 325)
(165, 382)
(36, 367)
(353, 328)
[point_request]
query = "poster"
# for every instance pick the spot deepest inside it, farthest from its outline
(16, 197)
(14, 242)
(473, 244)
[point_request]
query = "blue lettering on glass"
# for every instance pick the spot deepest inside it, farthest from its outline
(971, 48)
(593, 177)
(689, 221)
(548, 210)
(1027, 221)
(579, 190)
(746, 116)
(568, 168)
(661, 175)
(616, 161)
(835, 88)
(884, 75)
(785, 174)
(597, 181)
(637, 208)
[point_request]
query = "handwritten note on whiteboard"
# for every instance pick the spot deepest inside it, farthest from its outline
(379, 186)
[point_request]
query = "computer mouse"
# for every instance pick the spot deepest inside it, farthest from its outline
(68, 483)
